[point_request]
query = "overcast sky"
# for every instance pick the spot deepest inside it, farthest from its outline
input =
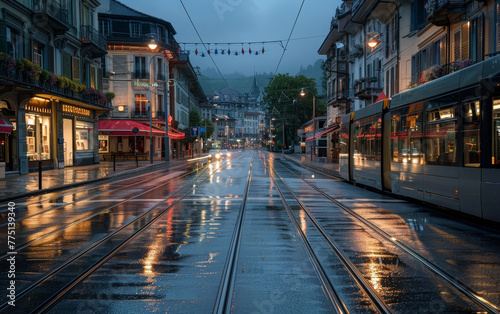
(247, 21)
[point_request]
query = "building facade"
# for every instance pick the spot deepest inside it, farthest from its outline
(380, 48)
(50, 83)
(154, 88)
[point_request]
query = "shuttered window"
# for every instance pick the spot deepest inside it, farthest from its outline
(75, 66)
(442, 50)
(92, 74)
(456, 46)
(480, 38)
(465, 41)
(66, 66)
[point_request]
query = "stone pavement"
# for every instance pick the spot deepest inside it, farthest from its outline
(13, 187)
(316, 163)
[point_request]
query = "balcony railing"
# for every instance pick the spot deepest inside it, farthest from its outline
(92, 36)
(441, 12)
(367, 88)
(437, 71)
(54, 10)
(24, 79)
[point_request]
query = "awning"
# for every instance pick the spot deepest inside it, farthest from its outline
(124, 128)
(176, 135)
(320, 134)
(5, 125)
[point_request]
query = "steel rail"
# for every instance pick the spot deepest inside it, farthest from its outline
(224, 295)
(471, 294)
(96, 244)
(375, 298)
(24, 245)
(332, 295)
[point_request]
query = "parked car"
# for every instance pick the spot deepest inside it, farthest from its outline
(214, 154)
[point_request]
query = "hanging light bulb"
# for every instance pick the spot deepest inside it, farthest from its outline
(249, 49)
(203, 54)
(242, 50)
(236, 53)
(228, 50)
(262, 47)
(223, 52)
(196, 51)
(216, 52)
(208, 50)
(256, 53)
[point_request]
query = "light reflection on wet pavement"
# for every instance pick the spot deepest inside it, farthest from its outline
(176, 264)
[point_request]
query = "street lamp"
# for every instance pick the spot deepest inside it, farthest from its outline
(152, 46)
(303, 94)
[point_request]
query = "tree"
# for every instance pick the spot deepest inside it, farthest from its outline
(195, 119)
(282, 101)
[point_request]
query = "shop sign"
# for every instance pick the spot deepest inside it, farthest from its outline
(103, 143)
(144, 84)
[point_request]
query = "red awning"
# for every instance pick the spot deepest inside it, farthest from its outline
(5, 125)
(176, 135)
(124, 128)
(320, 134)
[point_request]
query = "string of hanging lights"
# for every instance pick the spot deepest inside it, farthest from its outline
(227, 51)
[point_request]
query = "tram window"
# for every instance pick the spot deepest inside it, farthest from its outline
(440, 138)
(410, 139)
(495, 160)
(344, 139)
(471, 134)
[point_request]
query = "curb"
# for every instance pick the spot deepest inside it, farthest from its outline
(77, 184)
(312, 165)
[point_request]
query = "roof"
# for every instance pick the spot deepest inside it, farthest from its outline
(118, 8)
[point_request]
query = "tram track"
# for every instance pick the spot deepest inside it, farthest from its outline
(333, 295)
(47, 280)
(454, 282)
(21, 246)
(224, 295)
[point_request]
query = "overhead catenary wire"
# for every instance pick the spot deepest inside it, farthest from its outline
(199, 36)
(288, 40)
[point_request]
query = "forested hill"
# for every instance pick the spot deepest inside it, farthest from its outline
(210, 79)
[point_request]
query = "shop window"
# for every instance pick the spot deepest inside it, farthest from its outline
(14, 42)
(84, 135)
(37, 137)
(440, 137)
(471, 134)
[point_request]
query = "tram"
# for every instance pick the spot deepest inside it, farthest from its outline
(438, 143)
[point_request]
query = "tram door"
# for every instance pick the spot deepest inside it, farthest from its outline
(386, 152)
(351, 150)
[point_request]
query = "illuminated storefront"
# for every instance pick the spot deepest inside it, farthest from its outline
(38, 132)
(78, 134)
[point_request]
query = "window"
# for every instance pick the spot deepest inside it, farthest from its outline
(37, 54)
(440, 136)
(141, 102)
(84, 135)
(135, 29)
(104, 27)
(418, 17)
(140, 68)
(392, 81)
(14, 42)
(410, 138)
(471, 113)
(159, 105)
(38, 137)
(160, 75)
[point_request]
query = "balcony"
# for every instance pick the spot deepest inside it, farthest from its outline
(93, 42)
(442, 12)
(142, 75)
(367, 88)
(50, 13)
(23, 80)
(356, 52)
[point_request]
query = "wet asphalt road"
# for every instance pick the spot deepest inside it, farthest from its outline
(176, 263)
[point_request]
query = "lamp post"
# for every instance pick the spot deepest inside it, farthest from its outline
(152, 46)
(303, 94)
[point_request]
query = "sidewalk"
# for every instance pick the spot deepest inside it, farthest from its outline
(316, 163)
(58, 179)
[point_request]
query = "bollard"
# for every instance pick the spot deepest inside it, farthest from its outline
(114, 162)
(39, 174)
